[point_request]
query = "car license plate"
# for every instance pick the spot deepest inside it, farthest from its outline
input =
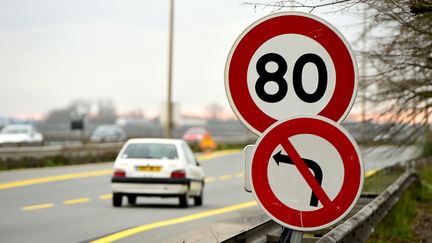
(148, 168)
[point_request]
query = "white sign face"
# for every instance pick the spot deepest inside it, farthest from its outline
(310, 95)
(280, 173)
(306, 172)
(290, 64)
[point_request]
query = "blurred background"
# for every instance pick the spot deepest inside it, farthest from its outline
(69, 67)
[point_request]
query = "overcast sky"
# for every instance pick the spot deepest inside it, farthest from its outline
(55, 51)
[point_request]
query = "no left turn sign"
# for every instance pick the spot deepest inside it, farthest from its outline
(306, 172)
(289, 64)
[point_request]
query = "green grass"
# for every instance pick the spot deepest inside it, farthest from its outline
(425, 192)
(382, 179)
(426, 144)
(54, 161)
(397, 226)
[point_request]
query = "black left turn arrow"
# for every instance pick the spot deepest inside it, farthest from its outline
(312, 165)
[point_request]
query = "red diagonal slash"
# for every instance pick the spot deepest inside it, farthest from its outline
(305, 172)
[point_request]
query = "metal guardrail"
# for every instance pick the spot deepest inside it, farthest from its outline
(34, 151)
(74, 152)
(79, 149)
(359, 227)
(356, 227)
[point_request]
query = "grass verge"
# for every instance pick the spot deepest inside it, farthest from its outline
(401, 223)
(382, 179)
(52, 161)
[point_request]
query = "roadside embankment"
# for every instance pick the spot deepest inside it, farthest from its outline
(411, 218)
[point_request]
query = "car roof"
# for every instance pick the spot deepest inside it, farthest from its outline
(155, 140)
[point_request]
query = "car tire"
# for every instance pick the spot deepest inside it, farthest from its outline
(117, 199)
(183, 201)
(132, 199)
(198, 200)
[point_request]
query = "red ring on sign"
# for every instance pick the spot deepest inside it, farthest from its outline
(326, 215)
(343, 62)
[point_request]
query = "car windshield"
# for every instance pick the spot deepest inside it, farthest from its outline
(151, 151)
(15, 130)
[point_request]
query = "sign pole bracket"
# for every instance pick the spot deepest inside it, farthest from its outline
(290, 236)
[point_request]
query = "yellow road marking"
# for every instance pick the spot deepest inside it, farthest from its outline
(105, 197)
(71, 176)
(216, 154)
(209, 179)
(184, 219)
(370, 173)
(225, 177)
(76, 201)
(54, 178)
(39, 206)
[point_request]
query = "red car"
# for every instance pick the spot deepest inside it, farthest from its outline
(194, 135)
(199, 138)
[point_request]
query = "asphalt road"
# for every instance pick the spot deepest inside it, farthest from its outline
(75, 210)
(74, 205)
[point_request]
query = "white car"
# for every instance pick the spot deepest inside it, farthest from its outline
(157, 168)
(20, 134)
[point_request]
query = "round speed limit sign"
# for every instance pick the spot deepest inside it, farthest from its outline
(289, 64)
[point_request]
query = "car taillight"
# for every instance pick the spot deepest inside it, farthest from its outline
(119, 173)
(178, 174)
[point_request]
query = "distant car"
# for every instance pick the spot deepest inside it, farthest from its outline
(20, 134)
(108, 133)
(194, 135)
(157, 168)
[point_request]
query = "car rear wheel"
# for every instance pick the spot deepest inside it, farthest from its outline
(198, 200)
(132, 199)
(183, 201)
(117, 199)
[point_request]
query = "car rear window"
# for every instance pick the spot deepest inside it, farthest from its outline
(151, 151)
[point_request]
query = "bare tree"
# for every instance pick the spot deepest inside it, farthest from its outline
(106, 111)
(402, 59)
(74, 110)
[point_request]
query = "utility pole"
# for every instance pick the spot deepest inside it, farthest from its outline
(169, 123)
